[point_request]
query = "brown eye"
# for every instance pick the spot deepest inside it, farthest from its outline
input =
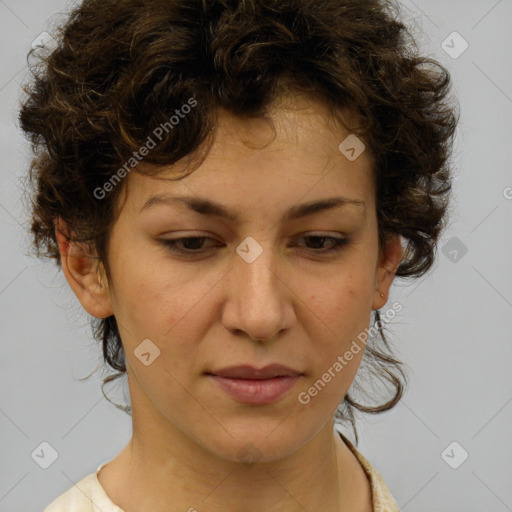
(336, 243)
(192, 244)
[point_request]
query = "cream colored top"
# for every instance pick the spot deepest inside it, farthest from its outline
(89, 496)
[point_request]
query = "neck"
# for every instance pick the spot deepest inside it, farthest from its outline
(318, 476)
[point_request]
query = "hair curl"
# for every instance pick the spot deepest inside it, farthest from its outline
(122, 68)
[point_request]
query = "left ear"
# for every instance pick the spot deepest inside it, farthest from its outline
(388, 263)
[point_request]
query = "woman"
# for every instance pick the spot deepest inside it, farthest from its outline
(230, 189)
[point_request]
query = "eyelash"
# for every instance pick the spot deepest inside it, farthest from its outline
(171, 244)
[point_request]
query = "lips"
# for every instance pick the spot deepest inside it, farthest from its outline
(250, 385)
(249, 372)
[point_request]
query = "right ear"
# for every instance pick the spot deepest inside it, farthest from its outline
(83, 273)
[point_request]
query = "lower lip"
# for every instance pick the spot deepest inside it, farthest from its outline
(252, 391)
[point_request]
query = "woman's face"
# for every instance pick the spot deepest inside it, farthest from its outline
(255, 291)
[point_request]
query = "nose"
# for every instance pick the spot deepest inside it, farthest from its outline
(259, 300)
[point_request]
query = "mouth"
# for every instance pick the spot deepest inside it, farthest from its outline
(256, 391)
(250, 385)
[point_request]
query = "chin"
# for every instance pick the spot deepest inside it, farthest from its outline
(253, 442)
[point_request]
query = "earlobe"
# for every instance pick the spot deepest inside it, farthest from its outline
(388, 264)
(83, 273)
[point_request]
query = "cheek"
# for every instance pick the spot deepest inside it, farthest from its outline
(146, 292)
(342, 313)
(166, 306)
(344, 303)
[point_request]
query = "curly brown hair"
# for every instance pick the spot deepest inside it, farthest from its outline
(123, 67)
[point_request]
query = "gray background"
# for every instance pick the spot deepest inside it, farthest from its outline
(454, 333)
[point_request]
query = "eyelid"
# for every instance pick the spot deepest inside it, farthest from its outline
(338, 243)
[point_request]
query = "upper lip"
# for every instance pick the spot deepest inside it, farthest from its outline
(249, 372)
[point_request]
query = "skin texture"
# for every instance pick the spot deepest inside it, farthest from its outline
(291, 305)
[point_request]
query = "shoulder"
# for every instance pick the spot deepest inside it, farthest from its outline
(84, 496)
(382, 499)
(77, 498)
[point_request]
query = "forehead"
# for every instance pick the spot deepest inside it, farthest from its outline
(294, 154)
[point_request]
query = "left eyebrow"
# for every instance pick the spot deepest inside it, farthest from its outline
(208, 207)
